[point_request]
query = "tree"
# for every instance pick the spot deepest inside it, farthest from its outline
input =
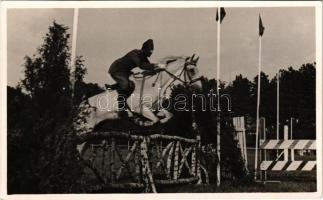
(266, 101)
(83, 90)
(298, 99)
(240, 92)
(50, 151)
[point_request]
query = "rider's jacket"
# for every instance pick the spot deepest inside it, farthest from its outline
(125, 64)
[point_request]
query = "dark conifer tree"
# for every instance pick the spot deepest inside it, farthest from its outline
(52, 164)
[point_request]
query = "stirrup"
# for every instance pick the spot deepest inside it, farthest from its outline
(111, 87)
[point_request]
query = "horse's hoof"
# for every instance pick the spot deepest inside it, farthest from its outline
(164, 120)
(161, 114)
(148, 123)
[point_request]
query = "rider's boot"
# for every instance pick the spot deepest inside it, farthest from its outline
(122, 107)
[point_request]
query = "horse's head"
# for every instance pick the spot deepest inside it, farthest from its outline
(191, 67)
(184, 67)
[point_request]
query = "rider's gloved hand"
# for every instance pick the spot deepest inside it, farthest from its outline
(161, 65)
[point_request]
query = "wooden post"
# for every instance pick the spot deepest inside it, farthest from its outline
(93, 155)
(265, 152)
(239, 126)
(169, 161)
(112, 164)
(292, 151)
(158, 150)
(196, 148)
(147, 174)
(164, 154)
(144, 167)
(184, 160)
(277, 112)
(193, 164)
(176, 161)
(132, 150)
(263, 175)
(104, 149)
(292, 154)
(285, 138)
(198, 169)
(137, 165)
(244, 142)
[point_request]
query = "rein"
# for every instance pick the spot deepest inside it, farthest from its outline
(141, 75)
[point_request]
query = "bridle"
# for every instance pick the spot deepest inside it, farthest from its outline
(187, 80)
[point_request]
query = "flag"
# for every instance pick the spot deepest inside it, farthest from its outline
(261, 27)
(222, 14)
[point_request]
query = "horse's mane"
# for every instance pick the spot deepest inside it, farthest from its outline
(171, 58)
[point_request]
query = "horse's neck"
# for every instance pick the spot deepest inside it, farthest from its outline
(165, 84)
(170, 80)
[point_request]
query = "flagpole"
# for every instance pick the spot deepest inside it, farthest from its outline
(277, 118)
(258, 105)
(73, 52)
(218, 168)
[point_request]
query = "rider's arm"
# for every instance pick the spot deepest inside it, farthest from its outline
(146, 65)
(142, 63)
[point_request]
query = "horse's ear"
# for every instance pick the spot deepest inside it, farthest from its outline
(192, 58)
(197, 59)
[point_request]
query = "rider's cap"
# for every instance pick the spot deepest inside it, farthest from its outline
(148, 45)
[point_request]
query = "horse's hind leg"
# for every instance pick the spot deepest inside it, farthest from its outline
(165, 114)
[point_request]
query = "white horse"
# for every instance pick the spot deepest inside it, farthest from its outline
(146, 99)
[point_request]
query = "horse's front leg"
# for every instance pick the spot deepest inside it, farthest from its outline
(146, 112)
(100, 116)
(165, 115)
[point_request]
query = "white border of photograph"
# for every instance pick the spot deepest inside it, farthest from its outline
(158, 4)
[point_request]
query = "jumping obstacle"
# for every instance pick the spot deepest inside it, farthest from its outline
(284, 146)
(286, 164)
(151, 160)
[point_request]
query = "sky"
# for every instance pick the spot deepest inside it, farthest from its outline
(104, 35)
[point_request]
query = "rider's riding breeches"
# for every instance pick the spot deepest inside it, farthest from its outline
(125, 88)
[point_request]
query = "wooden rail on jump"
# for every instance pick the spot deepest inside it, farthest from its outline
(151, 160)
(284, 147)
(286, 164)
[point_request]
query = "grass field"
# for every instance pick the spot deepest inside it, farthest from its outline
(285, 186)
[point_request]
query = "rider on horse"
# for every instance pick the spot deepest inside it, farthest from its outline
(120, 71)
